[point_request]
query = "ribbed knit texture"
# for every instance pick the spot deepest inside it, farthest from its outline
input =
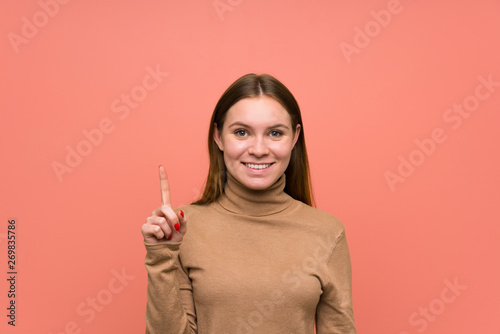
(255, 261)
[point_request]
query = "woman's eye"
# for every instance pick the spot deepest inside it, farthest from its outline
(240, 133)
(275, 133)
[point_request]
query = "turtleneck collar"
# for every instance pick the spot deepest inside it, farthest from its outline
(239, 199)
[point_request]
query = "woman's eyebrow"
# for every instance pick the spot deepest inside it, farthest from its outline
(238, 124)
(279, 125)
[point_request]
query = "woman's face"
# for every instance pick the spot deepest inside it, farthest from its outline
(257, 141)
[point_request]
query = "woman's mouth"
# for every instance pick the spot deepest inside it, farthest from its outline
(257, 166)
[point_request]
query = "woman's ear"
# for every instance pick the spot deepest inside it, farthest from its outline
(218, 138)
(296, 135)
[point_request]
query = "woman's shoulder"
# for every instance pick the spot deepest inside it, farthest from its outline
(192, 209)
(319, 217)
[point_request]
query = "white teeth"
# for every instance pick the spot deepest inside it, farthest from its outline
(262, 166)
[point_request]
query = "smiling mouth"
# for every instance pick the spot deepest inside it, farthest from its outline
(257, 166)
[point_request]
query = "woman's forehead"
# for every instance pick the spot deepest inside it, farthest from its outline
(258, 111)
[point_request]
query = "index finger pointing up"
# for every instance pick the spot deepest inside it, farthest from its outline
(164, 187)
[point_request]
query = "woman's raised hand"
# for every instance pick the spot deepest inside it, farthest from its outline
(164, 225)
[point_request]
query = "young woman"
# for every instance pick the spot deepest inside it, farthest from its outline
(258, 257)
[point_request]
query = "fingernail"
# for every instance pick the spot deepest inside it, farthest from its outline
(169, 237)
(182, 214)
(177, 227)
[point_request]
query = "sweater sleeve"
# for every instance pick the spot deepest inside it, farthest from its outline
(334, 313)
(170, 307)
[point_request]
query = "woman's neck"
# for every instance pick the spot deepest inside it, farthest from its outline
(240, 199)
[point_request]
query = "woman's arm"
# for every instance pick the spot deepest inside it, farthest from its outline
(334, 313)
(170, 307)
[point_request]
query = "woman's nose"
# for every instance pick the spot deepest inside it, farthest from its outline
(258, 147)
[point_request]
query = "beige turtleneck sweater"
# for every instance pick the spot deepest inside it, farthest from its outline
(255, 261)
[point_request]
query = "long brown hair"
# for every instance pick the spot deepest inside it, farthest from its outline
(298, 178)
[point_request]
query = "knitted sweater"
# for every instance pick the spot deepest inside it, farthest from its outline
(254, 261)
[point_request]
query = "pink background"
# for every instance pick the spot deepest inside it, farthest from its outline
(373, 79)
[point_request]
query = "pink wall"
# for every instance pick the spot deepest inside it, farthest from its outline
(401, 105)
